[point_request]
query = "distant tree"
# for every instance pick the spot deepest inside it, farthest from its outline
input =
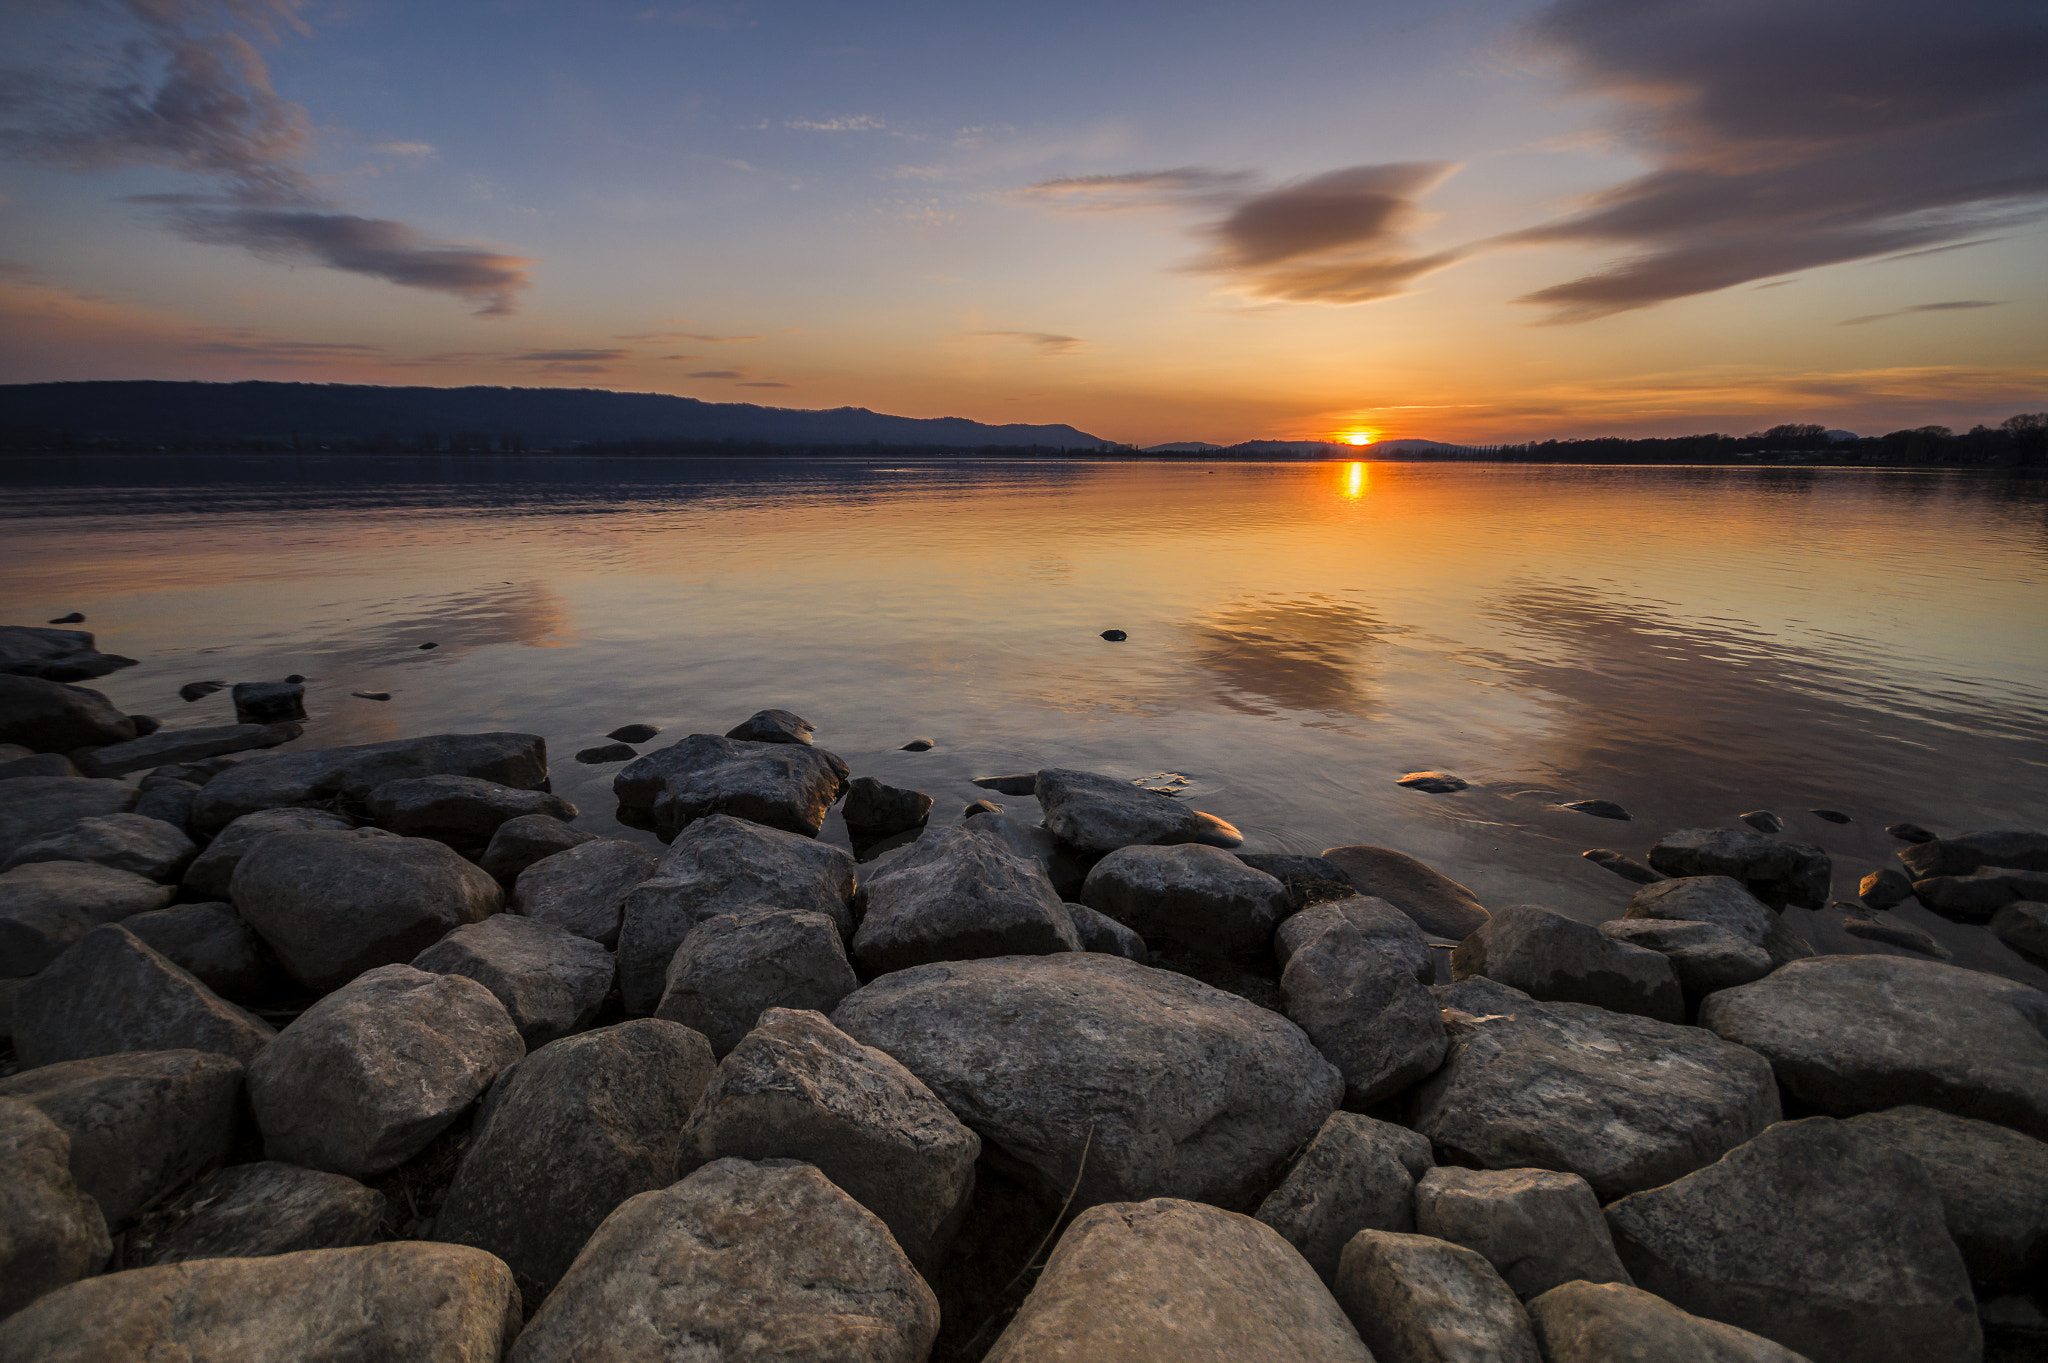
(1801, 431)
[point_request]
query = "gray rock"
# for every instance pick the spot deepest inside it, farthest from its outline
(101, 894)
(1812, 1235)
(568, 1134)
(38, 764)
(1307, 880)
(1022, 783)
(1189, 1091)
(722, 865)
(213, 870)
(633, 733)
(1763, 821)
(873, 810)
(170, 801)
(2014, 848)
(1993, 1184)
(1441, 906)
(1628, 868)
(979, 807)
(333, 904)
(1615, 1323)
(1416, 1299)
(1705, 956)
(1778, 872)
(33, 935)
(1364, 1010)
(521, 842)
(551, 981)
(50, 1232)
(1723, 900)
(268, 702)
(48, 716)
(210, 940)
(2023, 927)
(365, 1078)
(1550, 957)
(920, 744)
(606, 753)
(167, 747)
(1978, 896)
(141, 1124)
(1883, 888)
(1849, 1034)
(1201, 898)
(248, 1211)
(33, 807)
(57, 654)
(782, 785)
(1831, 815)
(1357, 1174)
(959, 893)
(1385, 928)
(110, 993)
(1537, 1228)
(773, 726)
(1100, 932)
(733, 968)
(1894, 933)
(9, 987)
(1434, 782)
(743, 1260)
(1172, 1279)
(1624, 1102)
(583, 888)
(1100, 813)
(1599, 809)
(1909, 832)
(279, 780)
(796, 1087)
(199, 690)
(147, 847)
(1067, 868)
(412, 1300)
(462, 811)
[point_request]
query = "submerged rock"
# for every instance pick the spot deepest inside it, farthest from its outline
(1909, 832)
(773, 726)
(783, 785)
(1599, 809)
(633, 733)
(1763, 821)
(1020, 784)
(1434, 782)
(606, 753)
(1440, 905)
(1628, 868)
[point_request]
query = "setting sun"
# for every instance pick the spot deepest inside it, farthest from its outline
(1360, 437)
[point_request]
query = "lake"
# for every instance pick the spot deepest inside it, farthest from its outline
(1692, 643)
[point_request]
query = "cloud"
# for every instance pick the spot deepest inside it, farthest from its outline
(368, 246)
(714, 374)
(264, 350)
(416, 150)
(767, 385)
(857, 123)
(1181, 187)
(571, 356)
(681, 336)
(1047, 342)
(1959, 306)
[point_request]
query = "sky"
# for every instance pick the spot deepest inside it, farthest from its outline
(1479, 222)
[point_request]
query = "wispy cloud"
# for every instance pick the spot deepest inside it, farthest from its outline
(715, 374)
(572, 356)
(855, 123)
(418, 151)
(265, 350)
(765, 384)
(1961, 305)
(1046, 342)
(681, 336)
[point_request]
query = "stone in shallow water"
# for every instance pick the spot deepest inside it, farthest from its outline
(55, 655)
(1023, 783)
(48, 716)
(1434, 782)
(633, 733)
(786, 785)
(1599, 809)
(773, 726)
(1628, 868)
(1894, 933)
(1883, 888)
(1763, 821)
(1099, 813)
(919, 744)
(1909, 832)
(1831, 815)
(609, 752)
(1441, 906)
(269, 702)
(873, 810)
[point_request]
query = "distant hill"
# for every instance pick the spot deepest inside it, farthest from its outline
(1181, 447)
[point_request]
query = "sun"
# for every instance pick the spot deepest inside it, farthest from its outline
(1360, 437)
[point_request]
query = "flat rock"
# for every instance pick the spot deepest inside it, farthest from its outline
(1827, 1241)
(366, 1077)
(1440, 905)
(959, 893)
(1993, 1184)
(1100, 813)
(33, 807)
(733, 968)
(51, 1233)
(101, 894)
(1200, 898)
(782, 785)
(583, 888)
(1624, 1102)
(1705, 956)
(211, 940)
(1417, 1299)
(269, 702)
(1537, 1228)
(1894, 933)
(61, 655)
(1021, 783)
(166, 747)
(605, 754)
(873, 810)
(1978, 896)
(633, 733)
(568, 1134)
(1357, 1174)
(1100, 932)
(1763, 821)
(1778, 872)
(1364, 1010)
(319, 776)
(1550, 957)
(1434, 782)
(744, 1260)
(137, 843)
(248, 1211)
(773, 726)
(1171, 1279)
(1599, 809)
(1189, 1091)
(2023, 927)
(1884, 888)
(462, 811)
(1628, 868)
(213, 870)
(551, 981)
(48, 716)
(1723, 900)
(110, 993)
(520, 842)
(37, 764)
(1586, 1322)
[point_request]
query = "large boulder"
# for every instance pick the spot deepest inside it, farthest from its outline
(411, 1300)
(1849, 1034)
(362, 1080)
(1439, 905)
(33, 935)
(1417, 1299)
(273, 781)
(766, 1260)
(1993, 1183)
(583, 888)
(61, 655)
(799, 1088)
(1704, 956)
(959, 893)
(1167, 1279)
(1584, 1322)
(90, 892)
(110, 993)
(33, 807)
(2017, 848)
(1812, 1235)
(2023, 927)
(462, 811)
(211, 940)
(733, 968)
(333, 904)
(48, 716)
(1724, 901)
(1364, 1010)
(213, 870)
(1100, 813)
(169, 800)
(1385, 929)
(551, 981)
(1357, 1174)
(135, 843)
(1537, 1228)
(519, 843)
(1978, 896)
(1188, 1091)
(782, 785)
(1558, 959)
(1779, 872)
(1200, 898)
(51, 1233)
(249, 1210)
(568, 1134)
(171, 747)
(1625, 1102)
(874, 811)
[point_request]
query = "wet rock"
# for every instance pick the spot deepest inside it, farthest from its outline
(412, 1300)
(583, 888)
(633, 733)
(1884, 888)
(1021, 784)
(366, 1077)
(200, 690)
(1763, 821)
(1894, 933)
(50, 1232)
(1993, 1184)
(875, 811)
(723, 865)
(1357, 1174)
(57, 655)
(1599, 809)
(48, 716)
(33, 807)
(1385, 928)
(521, 842)
(1812, 1235)
(1936, 857)
(959, 893)
(568, 1134)
(371, 695)
(210, 940)
(1978, 896)
(110, 993)
(320, 776)
(1100, 932)
(1831, 815)
(1189, 1091)
(733, 968)
(1100, 813)
(2023, 927)
(295, 679)
(1537, 1228)
(1704, 956)
(2016, 848)
(1434, 782)
(38, 764)
(1909, 832)
(773, 726)
(551, 981)
(1777, 872)
(269, 702)
(1614, 1323)
(143, 846)
(333, 905)
(1440, 905)
(1307, 880)
(252, 1210)
(796, 1087)
(169, 747)
(74, 618)
(462, 811)
(1201, 898)
(918, 745)
(141, 1124)
(1624, 1102)
(1722, 900)
(1364, 1010)
(783, 785)
(1849, 1034)
(213, 870)
(608, 752)
(1416, 1299)
(1548, 956)
(766, 1260)
(980, 807)
(102, 894)
(1173, 1279)
(170, 801)
(1628, 868)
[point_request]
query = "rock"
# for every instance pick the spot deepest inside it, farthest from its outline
(213, 871)
(57, 655)
(110, 993)
(1100, 932)
(1777, 872)
(1831, 815)
(366, 1077)
(1993, 1184)
(425, 647)
(371, 695)
(50, 1232)
(141, 1124)
(33, 807)
(1416, 1299)
(210, 940)
(2023, 927)
(568, 1134)
(278, 780)
(551, 981)
(2017, 848)
(1812, 1235)
(521, 842)
(1115, 636)
(1434, 782)
(633, 733)
(1705, 956)
(583, 888)
(1385, 928)
(1722, 900)
(1895, 934)
(1307, 880)
(462, 811)
(1599, 809)
(33, 935)
(1628, 868)
(1440, 905)
(1363, 1009)
(723, 865)
(1189, 1091)
(1978, 896)
(1067, 867)
(48, 716)
(412, 1300)
(1100, 813)
(980, 807)
(146, 847)
(1763, 821)
(1936, 857)
(959, 893)
(145, 725)
(333, 905)
(1173, 1279)
(38, 764)
(1211, 831)
(773, 726)
(1884, 888)
(919, 744)
(102, 894)
(1909, 832)
(74, 618)
(170, 747)
(609, 752)
(1614, 1323)
(733, 968)
(269, 702)
(1357, 1174)
(253, 1210)
(1537, 1228)
(743, 1260)
(1548, 956)
(199, 690)
(1849, 1034)
(874, 811)
(1624, 1102)
(1200, 898)
(796, 1087)
(1020, 784)
(783, 785)
(170, 801)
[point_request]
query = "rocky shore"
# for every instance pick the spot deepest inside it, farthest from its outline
(371, 1053)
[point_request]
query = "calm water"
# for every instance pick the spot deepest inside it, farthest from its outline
(1692, 643)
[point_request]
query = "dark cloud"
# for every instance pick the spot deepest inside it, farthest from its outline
(714, 374)
(1962, 305)
(368, 246)
(572, 356)
(767, 385)
(1046, 342)
(680, 336)
(264, 350)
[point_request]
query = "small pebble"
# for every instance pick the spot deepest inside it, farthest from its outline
(72, 619)
(1831, 815)
(425, 647)
(1599, 809)
(610, 752)
(918, 745)
(1763, 821)
(633, 733)
(1115, 636)
(371, 695)
(295, 679)
(1434, 782)
(980, 807)
(1909, 832)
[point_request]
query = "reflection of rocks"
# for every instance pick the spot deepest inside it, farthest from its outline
(1303, 653)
